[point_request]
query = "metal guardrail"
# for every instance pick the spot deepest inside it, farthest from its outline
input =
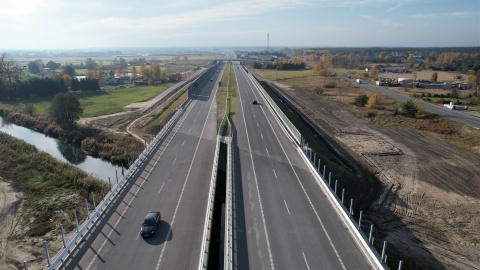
(286, 122)
(228, 237)
(208, 215)
(346, 216)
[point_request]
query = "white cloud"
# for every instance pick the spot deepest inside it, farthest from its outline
(394, 7)
(449, 14)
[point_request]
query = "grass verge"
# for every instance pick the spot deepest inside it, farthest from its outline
(227, 95)
(52, 189)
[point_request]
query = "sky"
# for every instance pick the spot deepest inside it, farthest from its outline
(68, 24)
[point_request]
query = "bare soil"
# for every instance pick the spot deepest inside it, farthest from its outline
(429, 211)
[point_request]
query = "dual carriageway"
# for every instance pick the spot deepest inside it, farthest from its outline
(282, 218)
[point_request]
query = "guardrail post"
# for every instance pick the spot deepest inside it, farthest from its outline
(63, 235)
(318, 168)
(343, 194)
(399, 265)
(116, 173)
(93, 200)
(360, 220)
(329, 179)
(109, 183)
(76, 219)
(88, 210)
(351, 207)
(25, 265)
(324, 169)
(336, 181)
(370, 235)
(46, 252)
(314, 158)
(383, 252)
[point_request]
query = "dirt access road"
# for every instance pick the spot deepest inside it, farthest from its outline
(428, 212)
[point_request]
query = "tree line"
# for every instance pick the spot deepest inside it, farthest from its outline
(15, 84)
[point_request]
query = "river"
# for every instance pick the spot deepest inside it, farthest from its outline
(64, 152)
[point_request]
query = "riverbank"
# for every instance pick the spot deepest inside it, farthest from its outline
(39, 192)
(118, 148)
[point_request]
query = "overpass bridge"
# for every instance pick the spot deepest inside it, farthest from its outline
(279, 211)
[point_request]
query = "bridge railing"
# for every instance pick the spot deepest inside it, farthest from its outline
(366, 244)
(228, 222)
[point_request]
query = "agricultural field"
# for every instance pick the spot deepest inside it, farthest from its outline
(111, 100)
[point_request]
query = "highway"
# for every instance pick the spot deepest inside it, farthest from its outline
(460, 116)
(175, 181)
(282, 218)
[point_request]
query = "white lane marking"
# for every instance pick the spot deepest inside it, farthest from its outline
(254, 116)
(161, 188)
(184, 185)
(308, 268)
(183, 143)
(189, 130)
(174, 161)
(258, 190)
(286, 207)
(261, 135)
(194, 120)
(274, 173)
(126, 207)
(306, 195)
(258, 124)
(267, 151)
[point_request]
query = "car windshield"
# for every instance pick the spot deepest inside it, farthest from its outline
(149, 222)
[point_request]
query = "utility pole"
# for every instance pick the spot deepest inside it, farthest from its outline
(268, 42)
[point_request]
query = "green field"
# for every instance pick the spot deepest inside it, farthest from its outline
(101, 102)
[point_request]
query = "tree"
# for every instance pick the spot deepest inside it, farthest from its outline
(52, 65)
(373, 71)
(90, 63)
(319, 67)
(361, 100)
(33, 67)
(434, 77)
(69, 70)
(409, 108)
(156, 72)
(474, 82)
(372, 101)
(65, 108)
(134, 72)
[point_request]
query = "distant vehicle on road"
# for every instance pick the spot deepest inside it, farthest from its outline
(452, 106)
(150, 223)
(360, 81)
(254, 102)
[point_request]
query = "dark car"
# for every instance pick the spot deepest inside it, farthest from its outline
(254, 102)
(149, 226)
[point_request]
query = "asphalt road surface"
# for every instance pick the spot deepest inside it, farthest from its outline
(282, 218)
(175, 181)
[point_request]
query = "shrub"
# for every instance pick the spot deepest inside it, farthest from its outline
(361, 100)
(318, 91)
(409, 109)
(329, 85)
(372, 101)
